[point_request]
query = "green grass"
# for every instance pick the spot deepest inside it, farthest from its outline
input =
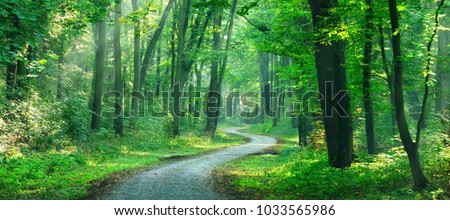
(75, 171)
(303, 173)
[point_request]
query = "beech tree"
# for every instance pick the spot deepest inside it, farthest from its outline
(330, 64)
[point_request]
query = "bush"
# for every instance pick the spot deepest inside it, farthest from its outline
(75, 116)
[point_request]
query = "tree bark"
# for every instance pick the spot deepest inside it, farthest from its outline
(275, 87)
(264, 84)
(196, 38)
(99, 76)
(367, 62)
(213, 101)
(152, 43)
(179, 77)
(332, 77)
(118, 120)
(411, 148)
(198, 88)
(217, 76)
(137, 67)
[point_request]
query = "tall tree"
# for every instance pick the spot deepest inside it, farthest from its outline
(178, 85)
(152, 43)
(118, 122)
(332, 77)
(442, 69)
(212, 105)
(218, 68)
(263, 59)
(411, 146)
(367, 62)
(390, 76)
(136, 65)
(139, 80)
(99, 75)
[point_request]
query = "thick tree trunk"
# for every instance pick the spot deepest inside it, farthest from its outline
(99, 76)
(367, 62)
(419, 178)
(213, 101)
(330, 64)
(179, 77)
(118, 120)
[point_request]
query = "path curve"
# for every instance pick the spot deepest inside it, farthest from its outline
(186, 179)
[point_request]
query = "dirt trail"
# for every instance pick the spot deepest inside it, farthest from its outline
(186, 179)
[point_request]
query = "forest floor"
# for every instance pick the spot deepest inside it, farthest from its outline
(187, 179)
(288, 171)
(79, 170)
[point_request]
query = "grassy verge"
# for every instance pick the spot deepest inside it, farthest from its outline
(75, 172)
(303, 173)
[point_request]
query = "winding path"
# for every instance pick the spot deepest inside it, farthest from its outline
(186, 179)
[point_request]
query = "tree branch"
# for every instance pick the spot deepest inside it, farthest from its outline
(421, 121)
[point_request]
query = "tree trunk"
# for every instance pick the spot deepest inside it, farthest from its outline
(179, 78)
(367, 62)
(118, 121)
(158, 71)
(419, 178)
(275, 84)
(217, 77)
(137, 67)
(264, 84)
(152, 43)
(196, 38)
(59, 83)
(390, 77)
(158, 59)
(332, 77)
(225, 58)
(99, 76)
(198, 88)
(443, 71)
(213, 101)
(16, 79)
(10, 79)
(410, 147)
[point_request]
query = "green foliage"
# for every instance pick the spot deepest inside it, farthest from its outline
(73, 172)
(75, 116)
(303, 173)
(31, 127)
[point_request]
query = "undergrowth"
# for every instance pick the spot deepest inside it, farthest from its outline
(72, 172)
(304, 173)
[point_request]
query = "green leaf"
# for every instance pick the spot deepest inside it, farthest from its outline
(43, 61)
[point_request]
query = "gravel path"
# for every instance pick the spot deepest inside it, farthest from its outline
(186, 179)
